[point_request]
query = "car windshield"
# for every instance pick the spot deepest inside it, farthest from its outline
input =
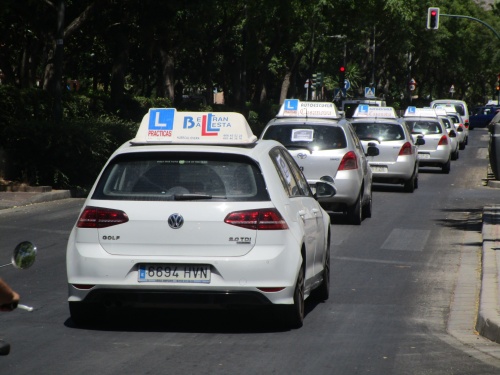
(181, 176)
(424, 127)
(311, 137)
(379, 131)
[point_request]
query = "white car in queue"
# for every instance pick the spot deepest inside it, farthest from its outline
(425, 123)
(397, 162)
(326, 148)
(452, 130)
(195, 211)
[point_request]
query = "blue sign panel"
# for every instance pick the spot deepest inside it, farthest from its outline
(161, 119)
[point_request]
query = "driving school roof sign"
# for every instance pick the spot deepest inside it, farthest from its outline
(166, 125)
(296, 108)
(364, 110)
(420, 112)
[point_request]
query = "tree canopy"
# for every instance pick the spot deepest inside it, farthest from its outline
(253, 51)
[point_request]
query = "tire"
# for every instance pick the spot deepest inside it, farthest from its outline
(461, 146)
(322, 292)
(409, 185)
(367, 208)
(294, 314)
(446, 167)
(454, 156)
(84, 314)
(354, 212)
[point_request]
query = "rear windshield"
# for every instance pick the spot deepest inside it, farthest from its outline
(459, 108)
(181, 176)
(380, 131)
(313, 137)
(424, 127)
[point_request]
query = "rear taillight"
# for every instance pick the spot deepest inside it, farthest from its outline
(97, 217)
(406, 149)
(349, 161)
(466, 124)
(443, 141)
(262, 219)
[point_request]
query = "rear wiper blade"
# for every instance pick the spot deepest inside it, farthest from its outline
(187, 197)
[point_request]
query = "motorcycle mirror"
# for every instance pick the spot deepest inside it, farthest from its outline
(24, 255)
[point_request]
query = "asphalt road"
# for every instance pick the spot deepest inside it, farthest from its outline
(394, 283)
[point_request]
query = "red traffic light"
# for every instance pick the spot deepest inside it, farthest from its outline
(342, 69)
(433, 18)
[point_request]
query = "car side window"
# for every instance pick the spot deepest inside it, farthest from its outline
(285, 172)
(297, 173)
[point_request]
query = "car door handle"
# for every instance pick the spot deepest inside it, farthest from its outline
(302, 214)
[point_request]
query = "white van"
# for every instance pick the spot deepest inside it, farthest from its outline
(460, 107)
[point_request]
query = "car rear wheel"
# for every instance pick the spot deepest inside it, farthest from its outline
(354, 212)
(446, 167)
(294, 313)
(367, 208)
(409, 185)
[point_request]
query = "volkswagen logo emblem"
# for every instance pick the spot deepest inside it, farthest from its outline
(302, 155)
(175, 221)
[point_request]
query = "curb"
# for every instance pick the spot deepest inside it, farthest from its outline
(488, 320)
(17, 199)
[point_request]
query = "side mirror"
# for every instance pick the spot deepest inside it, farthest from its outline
(420, 141)
(24, 255)
(372, 150)
(324, 189)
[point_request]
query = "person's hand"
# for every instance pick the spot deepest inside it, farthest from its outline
(12, 304)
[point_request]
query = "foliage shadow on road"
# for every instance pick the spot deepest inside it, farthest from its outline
(471, 220)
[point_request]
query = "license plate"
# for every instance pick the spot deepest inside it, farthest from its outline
(424, 156)
(174, 273)
(379, 168)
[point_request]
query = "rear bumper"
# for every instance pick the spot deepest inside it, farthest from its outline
(118, 298)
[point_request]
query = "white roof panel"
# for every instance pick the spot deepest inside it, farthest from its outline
(364, 110)
(296, 108)
(166, 125)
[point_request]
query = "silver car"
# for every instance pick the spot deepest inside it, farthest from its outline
(453, 132)
(326, 147)
(397, 162)
(424, 123)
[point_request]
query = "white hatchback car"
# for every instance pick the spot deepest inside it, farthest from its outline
(397, 162)
(424, 123)
(326, 148)
(195, 211)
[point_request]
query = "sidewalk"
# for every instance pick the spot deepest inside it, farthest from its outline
(488, 319)
(15, 199)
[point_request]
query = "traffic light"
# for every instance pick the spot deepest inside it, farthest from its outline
(319, 79)
(433, 18)
(341, 76)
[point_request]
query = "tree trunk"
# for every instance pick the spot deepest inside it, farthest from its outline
(167, 81)
(118, 36)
